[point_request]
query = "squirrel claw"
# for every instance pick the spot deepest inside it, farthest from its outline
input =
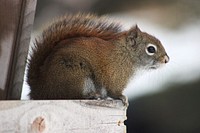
(124, 100)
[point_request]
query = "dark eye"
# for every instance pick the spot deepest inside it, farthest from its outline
(151, 49)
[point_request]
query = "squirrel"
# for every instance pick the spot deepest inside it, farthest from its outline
(85, 56)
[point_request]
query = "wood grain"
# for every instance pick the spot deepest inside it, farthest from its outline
(64, 116)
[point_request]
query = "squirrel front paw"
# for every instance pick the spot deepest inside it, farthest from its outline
(124, 100)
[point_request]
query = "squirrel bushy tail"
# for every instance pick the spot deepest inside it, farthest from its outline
(69, 26)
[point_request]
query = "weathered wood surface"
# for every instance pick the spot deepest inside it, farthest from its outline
(16, 19)
(62, 116)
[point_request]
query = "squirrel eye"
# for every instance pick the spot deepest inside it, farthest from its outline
(151, 49)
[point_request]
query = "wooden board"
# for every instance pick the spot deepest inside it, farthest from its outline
(16, 19)
(62, 116)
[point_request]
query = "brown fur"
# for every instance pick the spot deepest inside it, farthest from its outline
(77, 47)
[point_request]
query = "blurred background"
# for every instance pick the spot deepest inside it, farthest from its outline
(161, 101)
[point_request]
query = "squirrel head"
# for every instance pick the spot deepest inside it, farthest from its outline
(145, 49)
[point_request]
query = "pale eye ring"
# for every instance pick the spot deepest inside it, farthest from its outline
(151, 49)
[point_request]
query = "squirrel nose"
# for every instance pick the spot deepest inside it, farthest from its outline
(166, 59)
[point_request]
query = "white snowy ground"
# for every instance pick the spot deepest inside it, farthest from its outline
(183, 48)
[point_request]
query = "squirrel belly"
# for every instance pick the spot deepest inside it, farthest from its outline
(87, 57)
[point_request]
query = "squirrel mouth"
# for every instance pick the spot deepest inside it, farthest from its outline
(156, 66)
(153, 67)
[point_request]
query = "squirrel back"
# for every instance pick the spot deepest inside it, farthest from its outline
(70, 26)
(85, 56)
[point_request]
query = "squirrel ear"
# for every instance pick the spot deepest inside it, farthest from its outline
(133, 34)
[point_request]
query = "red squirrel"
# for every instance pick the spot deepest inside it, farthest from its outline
(85, 56)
